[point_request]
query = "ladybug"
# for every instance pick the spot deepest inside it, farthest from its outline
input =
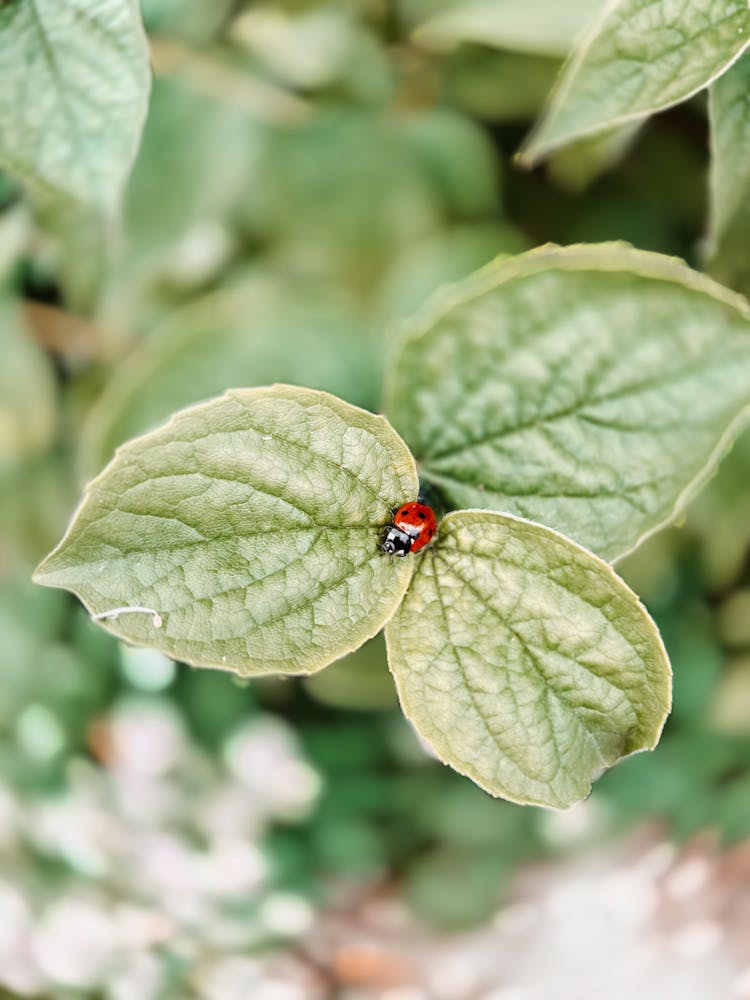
(414, 526)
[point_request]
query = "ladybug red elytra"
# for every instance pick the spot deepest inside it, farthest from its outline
(414, 526)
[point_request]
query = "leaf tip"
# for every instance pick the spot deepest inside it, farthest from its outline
(40, 575)
(523, 159)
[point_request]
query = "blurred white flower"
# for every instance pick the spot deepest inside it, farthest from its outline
(76, 944)
(574, 826)
(166, 841)
(140, 978)
(231, 978)
(147, 737)
(279, 989)
(263, 755)
(17, 972)
(230, 812)
(232, 868)
(287, 915)
(79, 832)
(168, 872)
(143, 927)
(147, 802)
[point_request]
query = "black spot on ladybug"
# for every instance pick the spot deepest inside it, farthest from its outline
(421, 515)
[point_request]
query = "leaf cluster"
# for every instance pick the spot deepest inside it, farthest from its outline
(298, 187)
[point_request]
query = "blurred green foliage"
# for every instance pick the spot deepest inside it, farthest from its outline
(309, 174)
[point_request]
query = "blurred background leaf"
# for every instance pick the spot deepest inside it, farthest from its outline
(85, 65)
(535, 26)
(261, 329)
(639, 58)
(729, 224)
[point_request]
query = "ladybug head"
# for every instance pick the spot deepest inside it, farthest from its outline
(396, 542)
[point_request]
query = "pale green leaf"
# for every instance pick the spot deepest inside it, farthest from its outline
(326, 46)
(35, 502)
(194, 163)
(360, 681)
(244, 534)
(643, 56)
(458, 158)
(28, 393)
(75, 90)
(340, 194)
(450, 255)
(576, 166)
(498, 85)
(524, 661)
(729, 117)
(78, 244)
(15, 234)
(260, 330)
(44, 672)
(588, 388)
(534, 26)
(196, 21)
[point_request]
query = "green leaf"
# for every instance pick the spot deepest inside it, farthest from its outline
(35, 502)
(194, 163)
(43, 671)
(589, 388)
(450, 255)
(341, 193)
(534, 26)
(78, 248)
(729, 114)
(644, 56)
(75, 90)
(729, 117)
(458, 157)
(525, 661)
(260, 330)
(247, 528)
(360, 681)
(28, 394)
(578, 165)
(194, 20)
(498, 85)
(15, 233)
(326, 46)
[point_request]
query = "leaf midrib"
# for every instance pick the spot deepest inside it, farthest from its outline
(521, 639)
(470, 691)
(326, 459)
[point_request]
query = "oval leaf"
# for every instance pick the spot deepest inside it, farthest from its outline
(643, 56)
(588, 388)
(525, 661)
(75, 90)
(244, 534)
